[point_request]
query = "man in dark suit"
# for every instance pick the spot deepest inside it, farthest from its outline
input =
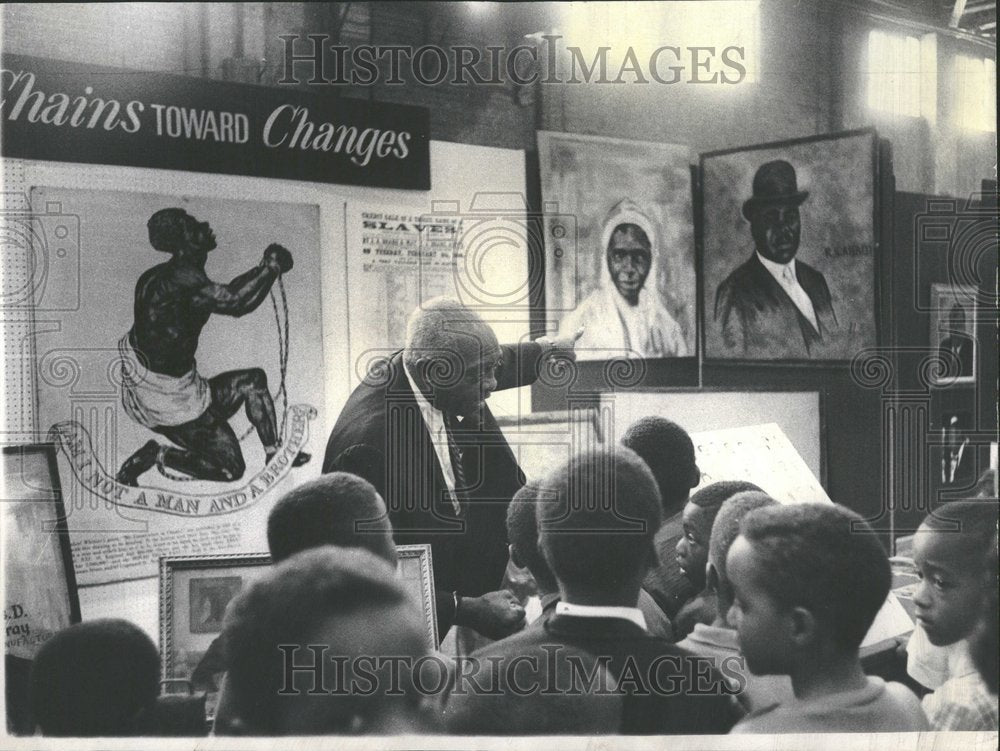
(957, 345)
(598, 514)
(420, 432)
(774, 306)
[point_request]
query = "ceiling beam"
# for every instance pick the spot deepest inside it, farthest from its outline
(970, 9)
(956, 13)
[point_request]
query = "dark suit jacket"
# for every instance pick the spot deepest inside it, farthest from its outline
(759, 319)
(381, 436)
(961, 345)
(669, 702)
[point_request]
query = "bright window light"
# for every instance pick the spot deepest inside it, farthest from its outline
(645, 28)
(902, 74)
(976, 93)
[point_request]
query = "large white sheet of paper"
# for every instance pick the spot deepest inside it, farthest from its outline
(761, 454)
(891, 621)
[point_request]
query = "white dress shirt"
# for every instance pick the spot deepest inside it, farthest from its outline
(602, 611)
(784, 274)
(435, 422)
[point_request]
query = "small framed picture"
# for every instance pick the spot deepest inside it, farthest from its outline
(40, 593)
(194, 594)
(416, 571)
(196, 590)
(953, 333)
(954, 463)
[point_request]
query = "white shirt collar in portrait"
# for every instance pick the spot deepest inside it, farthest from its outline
(602, 611)
(784, 274)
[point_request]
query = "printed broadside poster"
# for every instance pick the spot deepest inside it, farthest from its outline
(184, 391)
(399, 257)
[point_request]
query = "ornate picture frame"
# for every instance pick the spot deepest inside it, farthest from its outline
(195, 591)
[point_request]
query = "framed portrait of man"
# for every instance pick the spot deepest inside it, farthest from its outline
(954, 460)
(953, 333)
(619, 245)
(790, 249)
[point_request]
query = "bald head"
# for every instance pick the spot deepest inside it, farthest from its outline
(452, 355)
(174, 230)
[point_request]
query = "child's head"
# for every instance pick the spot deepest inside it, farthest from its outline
(597, 524)
(983, 643)
(669, 453)
(699, 516)
(522, 532)
(95, 678)
(951, 551)
(330, 597)
(725, 530)
(807, 579)
(335, 509)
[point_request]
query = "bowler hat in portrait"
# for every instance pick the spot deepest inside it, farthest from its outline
(774, 183)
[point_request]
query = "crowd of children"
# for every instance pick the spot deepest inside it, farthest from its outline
(661, 612)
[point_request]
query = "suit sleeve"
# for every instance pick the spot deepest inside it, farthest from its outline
(827, 300)
(364, 461)
(521, 364)
(369, 463)
(728, 315)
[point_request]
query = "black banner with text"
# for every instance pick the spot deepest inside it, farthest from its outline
(70, 112)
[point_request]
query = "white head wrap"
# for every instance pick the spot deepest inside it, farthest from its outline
(626, 212)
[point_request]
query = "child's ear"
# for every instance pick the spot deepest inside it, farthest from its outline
(803, 626)
(514, 557)
(711, 577)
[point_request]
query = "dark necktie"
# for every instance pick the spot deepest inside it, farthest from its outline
(457, 466)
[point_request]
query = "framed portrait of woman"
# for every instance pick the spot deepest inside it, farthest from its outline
(619, 245)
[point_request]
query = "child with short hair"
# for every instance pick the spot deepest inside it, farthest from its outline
(692, 550)
(808, 580)
(96, 678)
(953, 553)
(717, 640)
(668, 451)
(522, 532)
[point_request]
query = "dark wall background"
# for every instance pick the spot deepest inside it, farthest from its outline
(939, 240)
